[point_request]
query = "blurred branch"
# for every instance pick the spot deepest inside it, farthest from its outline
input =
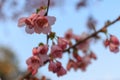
(108, 23)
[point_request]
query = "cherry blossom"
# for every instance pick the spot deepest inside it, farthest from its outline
(62, 42)
(113, 43)
(72, 64)
(37, 23)
(69, 34)
(82, 46)
(33, 63)
(56, 51)
(57, 68)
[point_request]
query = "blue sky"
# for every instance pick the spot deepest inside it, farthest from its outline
(108, 64)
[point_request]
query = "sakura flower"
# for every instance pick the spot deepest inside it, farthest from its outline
(33, 63)
(86, 60)
(56, 51)
(77, 57)
(113, 48)
(106, 43)
(114, 40)
(42, 49)
(82, 46)
(37, 23)
(68, 34)
(62, 42)
(92, 55)
(57, 68)
(52, 66)
(113, 43)
(34, 51)
(71, 64)
(61, 72)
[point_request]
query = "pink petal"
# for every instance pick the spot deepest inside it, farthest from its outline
(37, 30)
(46, 30)
(21, 21)
(51, 20)
(28, 30)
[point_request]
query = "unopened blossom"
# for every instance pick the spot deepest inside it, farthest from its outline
(37, 23)
(33, 63)
(86, 60)
(114, 40)
(113, 43)
(62, 42)
(56, 51)
(106, 43)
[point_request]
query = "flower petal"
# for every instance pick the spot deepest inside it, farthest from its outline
(21, 21)
(28, 30)
(51, 19)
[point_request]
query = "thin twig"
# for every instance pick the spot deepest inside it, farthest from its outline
(48, 5)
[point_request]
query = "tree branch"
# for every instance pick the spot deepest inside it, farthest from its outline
(93, 34)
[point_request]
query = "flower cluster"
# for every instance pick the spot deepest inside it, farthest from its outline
(38, 59)
(37, 22)
(80, 62)
(84, 46)
(57, 49)
(71, 43)
(113, 43)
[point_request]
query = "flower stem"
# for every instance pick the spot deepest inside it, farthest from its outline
(48, 5)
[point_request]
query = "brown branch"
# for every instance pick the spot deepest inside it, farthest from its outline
(108, 23)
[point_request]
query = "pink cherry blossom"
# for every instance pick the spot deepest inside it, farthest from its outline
(71, 64)
(113, 43)
(82, 46)
(33, 63)
(52, 66)
(106, 43)
(62, 42)
(114, 40)
(56, 51)
(92, 55)
(61, 72)
(86, 60)
(42, 49)
(37, 23)
(113, 48)
(69, 34)
(57, 68)
(77, 57)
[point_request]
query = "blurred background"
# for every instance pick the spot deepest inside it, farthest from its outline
(16, 45)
